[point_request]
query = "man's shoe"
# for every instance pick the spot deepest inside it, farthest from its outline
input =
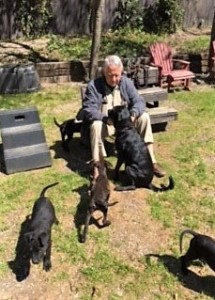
(158, 171)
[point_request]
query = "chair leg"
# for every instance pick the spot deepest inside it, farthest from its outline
(169, 81)
(187, 85)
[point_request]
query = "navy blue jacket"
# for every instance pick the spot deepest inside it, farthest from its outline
(95, 93)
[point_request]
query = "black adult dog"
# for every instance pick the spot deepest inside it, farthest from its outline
(67, 129)
(39, 237)
(99, 197)
(201, 247)
(132, 151)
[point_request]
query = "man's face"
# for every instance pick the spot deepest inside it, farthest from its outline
(112, 75)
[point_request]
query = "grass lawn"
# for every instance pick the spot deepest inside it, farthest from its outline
(137, 256)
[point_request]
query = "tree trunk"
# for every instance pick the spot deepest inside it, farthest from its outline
(211, 50)
(97, 14)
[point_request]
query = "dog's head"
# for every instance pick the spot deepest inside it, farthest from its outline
(102, 170)
(102, 166)
(37, 244)
(120, 116)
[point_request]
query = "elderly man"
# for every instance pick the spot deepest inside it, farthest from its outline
(109, 90)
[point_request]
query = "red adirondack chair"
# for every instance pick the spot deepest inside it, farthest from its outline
(161, 57)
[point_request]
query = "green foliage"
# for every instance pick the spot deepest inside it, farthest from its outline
(33, 17)
(129, 15)
(71, 48)
(195, 46)
(164, 17)
(123, 42)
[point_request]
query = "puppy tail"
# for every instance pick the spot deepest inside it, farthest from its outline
(185, 232)
(42, 194)
(112, 203)
(170, 186)
(56, 123)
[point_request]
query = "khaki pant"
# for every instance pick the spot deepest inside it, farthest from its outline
(99, 131)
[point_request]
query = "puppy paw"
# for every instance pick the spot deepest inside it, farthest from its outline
(82, 239)
(106, 223)
(47, 266)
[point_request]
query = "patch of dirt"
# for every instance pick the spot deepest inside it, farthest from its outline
(134, 226)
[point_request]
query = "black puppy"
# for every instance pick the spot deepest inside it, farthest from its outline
(133, 152)
(39, 238)
(67, 129)
(99, 196)
(201, 247)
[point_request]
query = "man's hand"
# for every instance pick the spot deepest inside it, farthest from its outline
(133, 119)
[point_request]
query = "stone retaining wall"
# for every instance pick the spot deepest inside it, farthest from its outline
(53, 72)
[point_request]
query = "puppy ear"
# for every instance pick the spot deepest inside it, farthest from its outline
(29, 236)
(43, 239)
(120, 116)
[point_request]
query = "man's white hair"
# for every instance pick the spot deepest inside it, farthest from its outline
(113, 60)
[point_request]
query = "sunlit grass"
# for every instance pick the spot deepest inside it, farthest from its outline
(187, 151)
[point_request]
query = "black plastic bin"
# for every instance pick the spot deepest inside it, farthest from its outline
(23, 139)
(16, 79)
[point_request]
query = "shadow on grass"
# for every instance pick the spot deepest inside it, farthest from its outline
(76, 158)
(192, 281)
(21, 264)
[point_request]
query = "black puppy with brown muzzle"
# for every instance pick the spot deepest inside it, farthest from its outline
(39, 237)
(132, 151)
(67, 129)
(99, 197)
(201, 247)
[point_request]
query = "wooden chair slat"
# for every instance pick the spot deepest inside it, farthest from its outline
(161, 55)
